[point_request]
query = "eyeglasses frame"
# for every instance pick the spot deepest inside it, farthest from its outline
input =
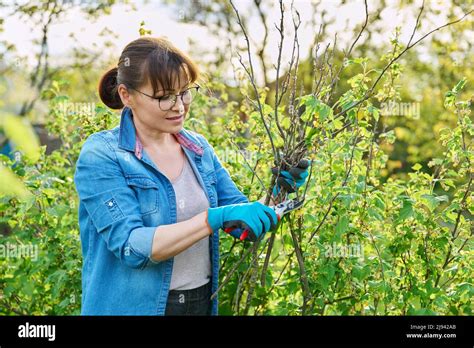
(197, 87)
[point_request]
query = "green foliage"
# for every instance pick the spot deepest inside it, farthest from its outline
(394, 247)
(142, 31)
(21, 134)
(40, 271)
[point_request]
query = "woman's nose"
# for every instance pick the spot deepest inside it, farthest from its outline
(179, 105)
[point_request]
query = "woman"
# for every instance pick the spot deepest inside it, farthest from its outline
(153, 195)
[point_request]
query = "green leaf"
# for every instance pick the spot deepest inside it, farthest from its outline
(22, 135)
(442, 198)
(324, 111)
(390, 136)
(359, 272)
(374, 112)
(64, 303)
(359, 60)
(285, 123)
(310, 136)
(11, 184)
(416, 167)
(307, 115)
(347, 199)
(379, 203)
(314, 105)
(432, 201)
(421, 311)
(449, 99)
(406, 211)
(352, 114)
(459, 86)
(28, 288)
(375, 214)
(342, 226)
(142, 31)
(450, 96)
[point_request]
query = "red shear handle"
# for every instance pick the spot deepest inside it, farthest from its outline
(232, 229)
(245, 233)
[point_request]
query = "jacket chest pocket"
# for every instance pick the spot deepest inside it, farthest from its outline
(146, 191)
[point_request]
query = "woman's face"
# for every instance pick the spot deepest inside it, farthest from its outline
(147, 112)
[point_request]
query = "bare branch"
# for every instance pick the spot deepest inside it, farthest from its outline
(251, 75)
(417, 22)
(361, 30)
(369, 92)
(277, 78)
(261, 51)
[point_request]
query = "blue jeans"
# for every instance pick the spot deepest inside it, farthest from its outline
(190, 302)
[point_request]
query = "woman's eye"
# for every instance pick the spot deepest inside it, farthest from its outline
(165, 97)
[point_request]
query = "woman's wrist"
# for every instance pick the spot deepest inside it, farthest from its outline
(206, 221)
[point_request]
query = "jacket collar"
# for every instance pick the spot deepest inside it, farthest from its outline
(129, 140)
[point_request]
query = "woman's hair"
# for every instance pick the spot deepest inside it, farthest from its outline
(142, 60)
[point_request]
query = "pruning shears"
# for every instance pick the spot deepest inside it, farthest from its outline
(280, 210)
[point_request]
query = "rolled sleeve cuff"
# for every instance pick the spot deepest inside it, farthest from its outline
(141, 242)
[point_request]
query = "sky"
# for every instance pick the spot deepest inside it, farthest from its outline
(162, 21)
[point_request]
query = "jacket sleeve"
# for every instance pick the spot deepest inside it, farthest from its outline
(111, 204)
(227, 191)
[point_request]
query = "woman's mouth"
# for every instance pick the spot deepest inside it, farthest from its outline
(175, 118)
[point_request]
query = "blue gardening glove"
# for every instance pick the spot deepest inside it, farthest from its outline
(255, 218)
(292, 179)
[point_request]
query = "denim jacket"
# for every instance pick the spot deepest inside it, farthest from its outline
(123, 199)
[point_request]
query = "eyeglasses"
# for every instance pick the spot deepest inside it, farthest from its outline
(166, 102)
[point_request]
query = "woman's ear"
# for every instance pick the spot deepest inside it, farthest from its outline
(125, 96)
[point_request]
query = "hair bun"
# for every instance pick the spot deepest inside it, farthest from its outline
(108, 89)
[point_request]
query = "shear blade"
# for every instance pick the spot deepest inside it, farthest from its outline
(287, 206)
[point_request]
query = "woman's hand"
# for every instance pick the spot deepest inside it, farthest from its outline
(254, 217)
(292, 179)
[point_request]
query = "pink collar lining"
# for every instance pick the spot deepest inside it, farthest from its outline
(179, 137)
